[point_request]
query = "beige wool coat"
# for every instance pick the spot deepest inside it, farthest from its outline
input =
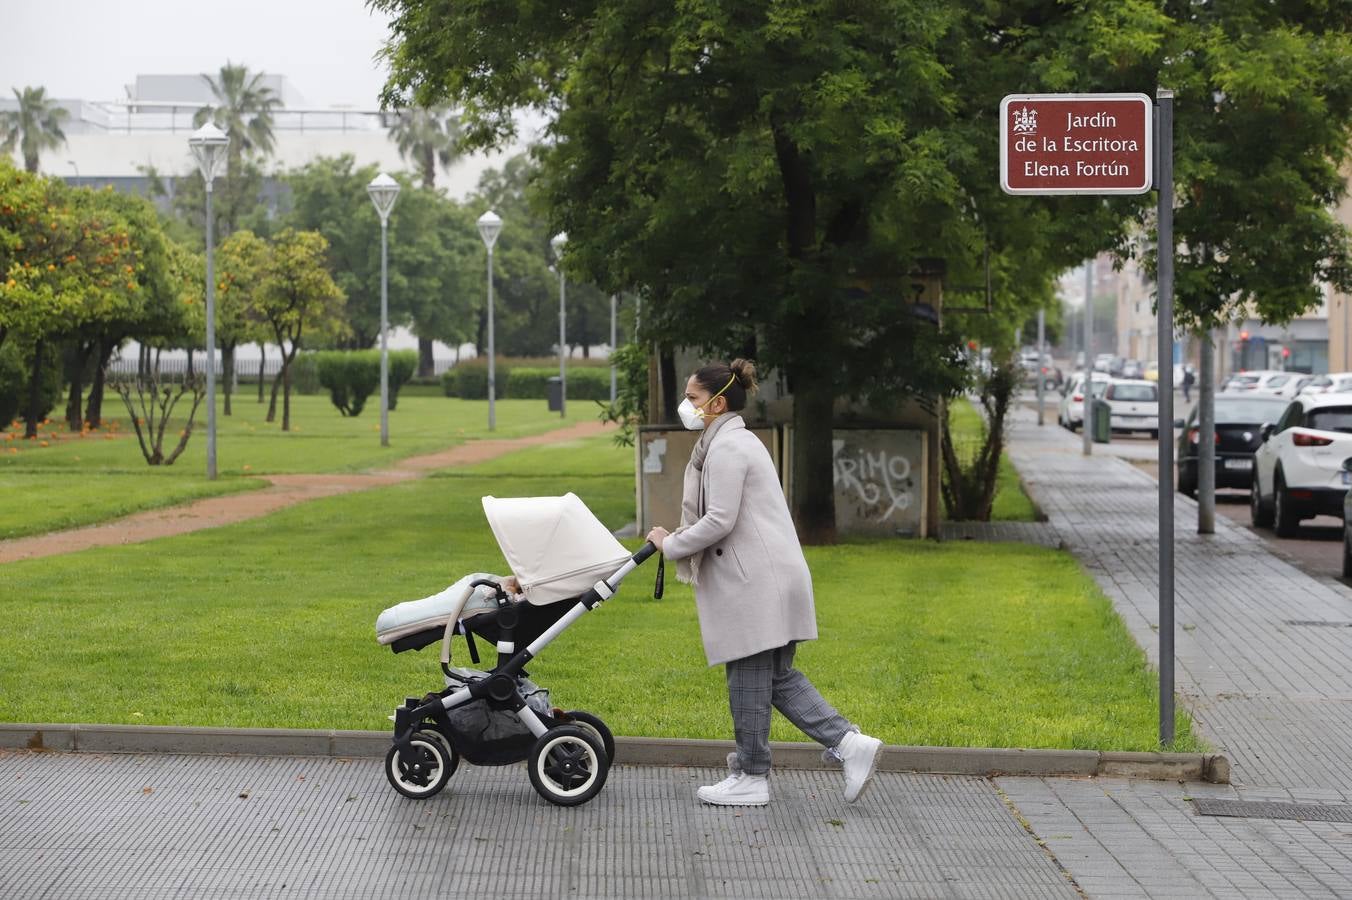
(753, 591)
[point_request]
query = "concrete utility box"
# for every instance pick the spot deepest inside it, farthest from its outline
(662, 453)
(880, 477)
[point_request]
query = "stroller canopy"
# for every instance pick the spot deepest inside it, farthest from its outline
(556, 547)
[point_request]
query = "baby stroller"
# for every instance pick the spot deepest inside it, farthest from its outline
(567, 563)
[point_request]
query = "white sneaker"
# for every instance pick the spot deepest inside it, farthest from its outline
(859, 753)
(738, 789)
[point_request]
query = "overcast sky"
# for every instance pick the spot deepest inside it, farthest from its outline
(90, 49)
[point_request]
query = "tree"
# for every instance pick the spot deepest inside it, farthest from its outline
(241, 264)
(769, 176)
(68, 260)
(527, 304)
(34, 127)
(1263, 112)
(427, 137)
(434, 251)
(297, 296)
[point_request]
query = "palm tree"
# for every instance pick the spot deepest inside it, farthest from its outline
(427, 137)
(33, 127)
(243, 109)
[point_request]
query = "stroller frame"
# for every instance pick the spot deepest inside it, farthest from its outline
(571, 756)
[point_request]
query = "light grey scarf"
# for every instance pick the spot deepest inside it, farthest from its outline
(692, 496)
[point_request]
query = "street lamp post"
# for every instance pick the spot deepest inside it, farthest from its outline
(208, 145)
(384, 190)
(490, 225)
(558, 243)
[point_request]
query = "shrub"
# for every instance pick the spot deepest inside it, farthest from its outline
(583, 383)
(15, 368)
(305, 374)
(352, 376)
(469, 379)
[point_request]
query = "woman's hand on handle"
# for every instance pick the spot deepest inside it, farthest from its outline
(657, 536)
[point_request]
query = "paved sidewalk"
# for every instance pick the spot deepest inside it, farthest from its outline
(150, 826)
(1263, 662)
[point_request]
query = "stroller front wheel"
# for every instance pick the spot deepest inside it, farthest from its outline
(598, 729)
(426, 776)
(568, 765)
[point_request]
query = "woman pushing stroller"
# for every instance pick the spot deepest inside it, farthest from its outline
(736, 545)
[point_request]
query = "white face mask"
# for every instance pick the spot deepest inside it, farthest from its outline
(691, 418)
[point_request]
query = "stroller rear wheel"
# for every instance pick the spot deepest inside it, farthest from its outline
(568, 765)
(598, 729)
(427, 775)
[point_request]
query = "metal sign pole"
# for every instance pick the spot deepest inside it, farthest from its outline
(1165, 326)
(1041, 371)
(1087, 418)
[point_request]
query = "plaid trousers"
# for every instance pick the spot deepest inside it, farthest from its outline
(757, 682)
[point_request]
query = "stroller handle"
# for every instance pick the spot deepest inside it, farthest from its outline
(647, 550)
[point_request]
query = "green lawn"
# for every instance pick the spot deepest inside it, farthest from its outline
(78, 480)
(1011, 504)
(269, 623)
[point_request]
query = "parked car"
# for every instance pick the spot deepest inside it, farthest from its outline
(1134, 405)
(1332, 383)
(1266, 380)
(1071, 413)
(1133, 370)
(1103, 362)
(1285, 384)
(1298, 467)
(1239, 423)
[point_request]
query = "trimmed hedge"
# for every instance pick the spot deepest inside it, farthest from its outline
(469, 379)
(583, 383)
(352, 376)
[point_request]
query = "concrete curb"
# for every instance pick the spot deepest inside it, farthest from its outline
(641, 751)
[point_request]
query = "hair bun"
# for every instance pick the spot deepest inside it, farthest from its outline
(745, 372)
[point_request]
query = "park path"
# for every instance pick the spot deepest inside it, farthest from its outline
(283, 491)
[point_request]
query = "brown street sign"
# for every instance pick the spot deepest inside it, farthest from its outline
(1076, 144)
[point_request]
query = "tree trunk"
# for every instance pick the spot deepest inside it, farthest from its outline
(286, 389)
(481, 332)
(227, 373)
(426, 363)
(262, 366)
(94, 410)
(276, 383)
(190, 355)
(34, 414)
(814, 494)
(77, 357)
(673, 391)
(429, 166)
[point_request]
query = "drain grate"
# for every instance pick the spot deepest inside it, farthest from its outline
(1318, 622)
(1263, 809)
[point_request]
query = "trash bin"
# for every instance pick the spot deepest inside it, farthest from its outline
(1103, 423)
(554, 391)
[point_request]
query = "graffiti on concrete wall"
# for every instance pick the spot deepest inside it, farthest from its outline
(878, 481)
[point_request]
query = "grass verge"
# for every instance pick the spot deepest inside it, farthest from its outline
(269, 623)
(65, 480)
(1011, 503)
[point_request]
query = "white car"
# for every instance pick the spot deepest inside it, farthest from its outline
(1298, 467)
(1270, 381)
(1134, 405)
(1332, 383)
(1071, 413)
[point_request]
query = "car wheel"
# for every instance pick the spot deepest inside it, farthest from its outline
(1285, 520)
(1260, 512)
